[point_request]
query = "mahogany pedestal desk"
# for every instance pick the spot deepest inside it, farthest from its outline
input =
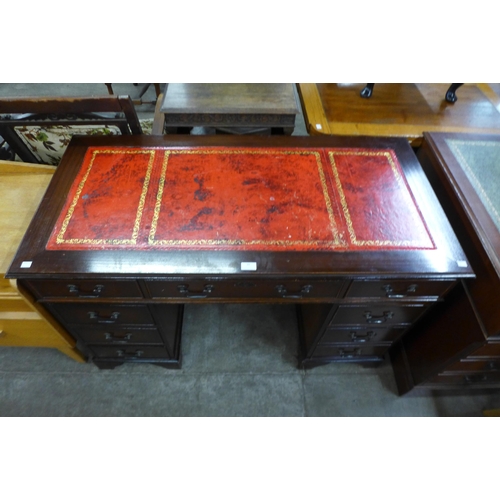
(134, 228)
(458, 345)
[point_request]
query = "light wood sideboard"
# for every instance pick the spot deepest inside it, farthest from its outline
(22, 323)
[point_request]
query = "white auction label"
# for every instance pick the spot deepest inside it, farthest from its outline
(249, 266)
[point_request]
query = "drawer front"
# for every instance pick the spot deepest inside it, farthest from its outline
(349, 351)
(130, 353)
(398, 289)
(244, 288)
(362, 335)
(491, 350)
(6, 288)
(117, 335)
(84, 289)
(14, 304)
(103, 314)
(384, 315)
(469, 379)
(474, 366)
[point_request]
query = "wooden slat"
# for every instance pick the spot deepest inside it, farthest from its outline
(60, 104)
(314, 114)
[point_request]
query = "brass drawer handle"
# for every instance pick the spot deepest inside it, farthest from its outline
(281, 289)
(349, 353)
(113, 338)
(357, 337)
(480, 377)
(389, 292)
(184, 290)
(378, 319)
(493, 366)
(96, 292)
(104, 319)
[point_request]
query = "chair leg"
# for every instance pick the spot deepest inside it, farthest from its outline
(367, 91)
(110, 88)
(450, 93)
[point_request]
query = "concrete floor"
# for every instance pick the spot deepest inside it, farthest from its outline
(238, 360)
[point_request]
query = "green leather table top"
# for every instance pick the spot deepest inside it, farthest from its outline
(480, 161)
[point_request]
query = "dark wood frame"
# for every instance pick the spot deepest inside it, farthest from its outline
(117, 110)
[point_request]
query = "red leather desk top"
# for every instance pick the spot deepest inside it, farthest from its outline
(273, 199)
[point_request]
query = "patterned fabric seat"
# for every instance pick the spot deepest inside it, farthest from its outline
(38, 130)
(48, 142)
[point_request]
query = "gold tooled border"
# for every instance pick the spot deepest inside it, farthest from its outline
(337, 241)
(345, 208)
(135, 232)
(453, 144)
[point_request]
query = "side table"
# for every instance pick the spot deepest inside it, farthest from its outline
(236, 108)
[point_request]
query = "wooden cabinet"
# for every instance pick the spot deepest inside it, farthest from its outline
(22, 322)
(457, 346)
(132, 229)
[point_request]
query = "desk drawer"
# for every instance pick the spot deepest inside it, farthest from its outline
(349, 351)
(362, 335)
(130, 353)
(84, 289)
(385, 314)
(117, 335)
(398, 289)
(490, 350)
(468, 379)
(13, 304)
(6, 288)
(244, 288)
(474, 366)
(103, 314)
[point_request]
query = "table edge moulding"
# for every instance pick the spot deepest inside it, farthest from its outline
(132, 229)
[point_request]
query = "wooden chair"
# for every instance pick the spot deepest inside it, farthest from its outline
(39, 129)
(138, 100)
(450, 96)
(159, 118)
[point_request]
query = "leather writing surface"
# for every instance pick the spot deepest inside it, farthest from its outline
(272, 199)
(480, 162)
